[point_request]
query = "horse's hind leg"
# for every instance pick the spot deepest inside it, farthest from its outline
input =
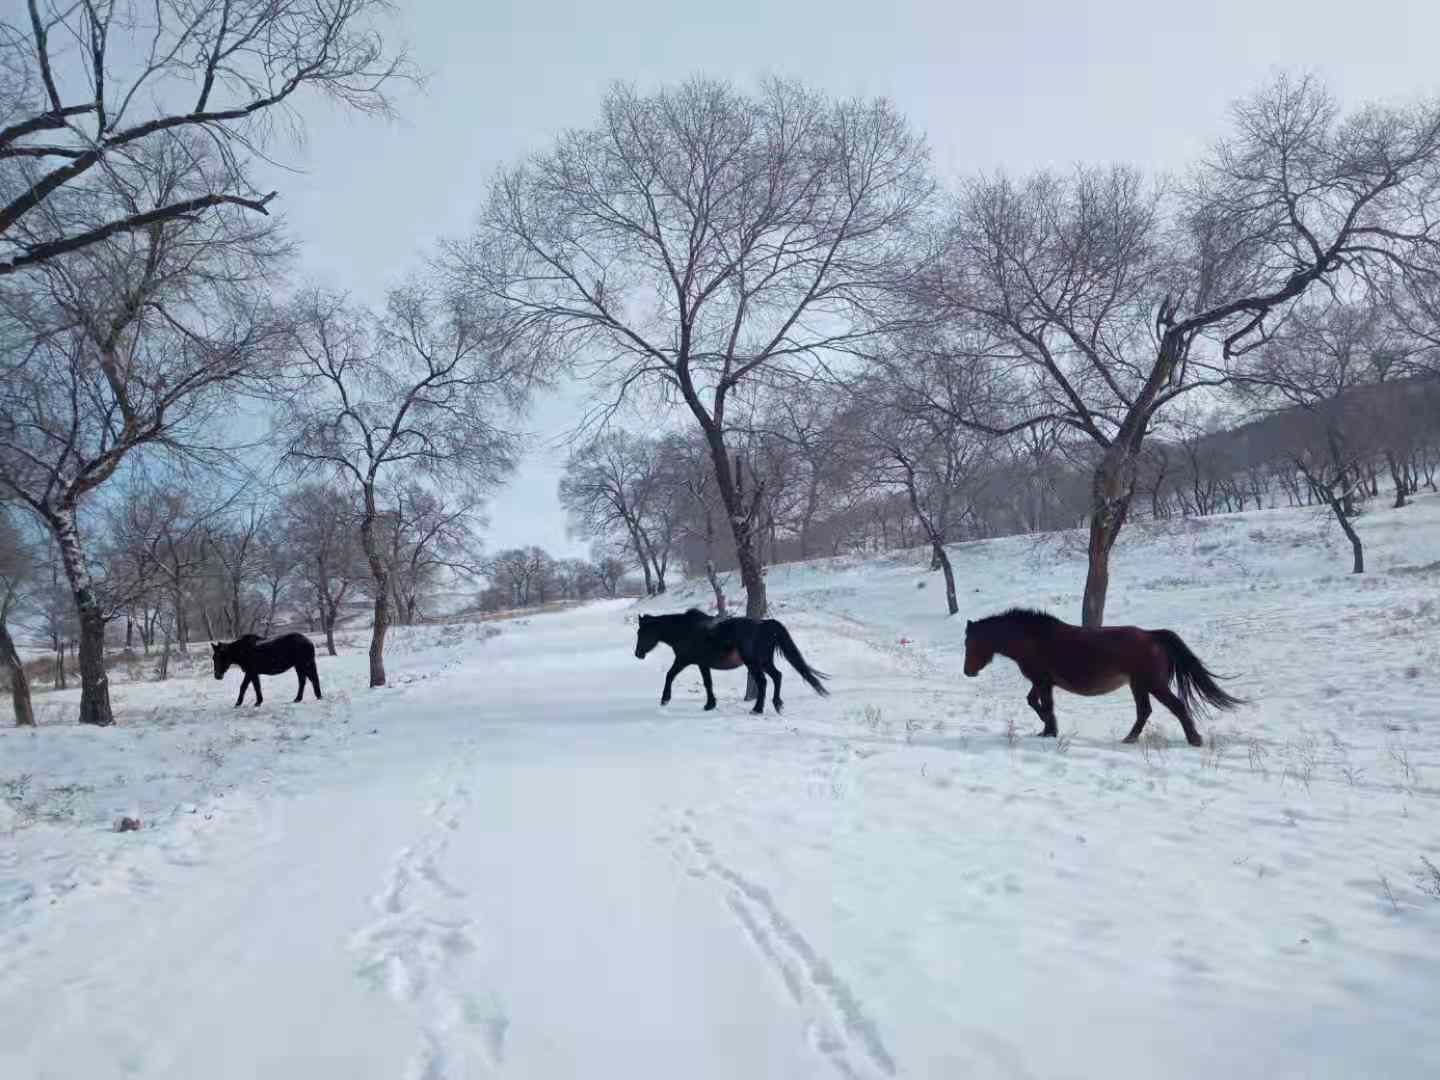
(300, 674)
(709, 688)
(1176, 706)
(1142, 710)
(774, 673)
(759, 676)
(315, 679)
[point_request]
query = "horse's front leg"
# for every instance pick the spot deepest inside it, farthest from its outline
(256, 680)
(244, 682)
(709, 688)
(675, 669)
(1042, 699)
(759, 676)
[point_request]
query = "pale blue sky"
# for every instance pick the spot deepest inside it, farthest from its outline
(1017, 85)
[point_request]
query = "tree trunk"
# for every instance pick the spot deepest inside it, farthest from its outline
(1110, 494)
(715, 585)
(329, 621)
(19, 684)
(1357, 550)
(380, 575)
(94, 684)
(943, 558)
(732, 497)
(377, 633)
(59, 680)
(1397, 478)
(644, 562)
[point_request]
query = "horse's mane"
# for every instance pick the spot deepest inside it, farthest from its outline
(1027, 617)
(690, 615)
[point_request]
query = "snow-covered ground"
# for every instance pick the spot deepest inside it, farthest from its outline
(514, 863)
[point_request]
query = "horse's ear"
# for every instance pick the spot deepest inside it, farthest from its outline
(214, 646)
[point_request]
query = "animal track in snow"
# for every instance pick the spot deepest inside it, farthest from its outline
(836, 1026)
(427, 954)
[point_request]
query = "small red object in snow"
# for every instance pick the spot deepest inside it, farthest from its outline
(127, 824)
(904, 641)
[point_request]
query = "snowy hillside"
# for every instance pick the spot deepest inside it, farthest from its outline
(513, 862)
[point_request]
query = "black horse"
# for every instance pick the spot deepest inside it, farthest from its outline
(713, 642)
(255, 658)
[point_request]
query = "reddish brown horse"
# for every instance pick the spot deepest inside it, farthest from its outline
(1094, 661)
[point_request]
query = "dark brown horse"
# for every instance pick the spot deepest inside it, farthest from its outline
(1094, 661)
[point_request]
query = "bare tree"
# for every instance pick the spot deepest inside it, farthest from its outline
(422, 388)
(137, 342)
(429, 535)
(811, 426)
(699, 240)
(606, 568)
(157, 553)
(691, 475)
(613, 485)
(236, 545)
(18, 573)
(519, 575)
(1315, 370)
(912, 437)
(1118, 295)
(322, 532)
(92, 91)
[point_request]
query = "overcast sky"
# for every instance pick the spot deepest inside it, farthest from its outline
(1019, 85)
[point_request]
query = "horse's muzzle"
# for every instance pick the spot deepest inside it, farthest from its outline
(971, 674)
(639, 655)
(218, 676)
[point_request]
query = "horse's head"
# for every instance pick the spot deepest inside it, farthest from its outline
(978, 651)
(647, 636)
(221, 655)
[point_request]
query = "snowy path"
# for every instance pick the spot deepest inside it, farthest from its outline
(465, 900)
(516, 865)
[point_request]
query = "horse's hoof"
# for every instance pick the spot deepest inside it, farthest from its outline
(664, 701)
(1047, 734)
(1130, 739)
(1195, 741)
(710, 706)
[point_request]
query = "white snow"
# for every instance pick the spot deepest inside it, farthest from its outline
(515, 863)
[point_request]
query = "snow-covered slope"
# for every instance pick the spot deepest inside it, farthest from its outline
(513, 862)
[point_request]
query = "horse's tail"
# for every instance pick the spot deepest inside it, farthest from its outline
(1194, 681)
(795, 660)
